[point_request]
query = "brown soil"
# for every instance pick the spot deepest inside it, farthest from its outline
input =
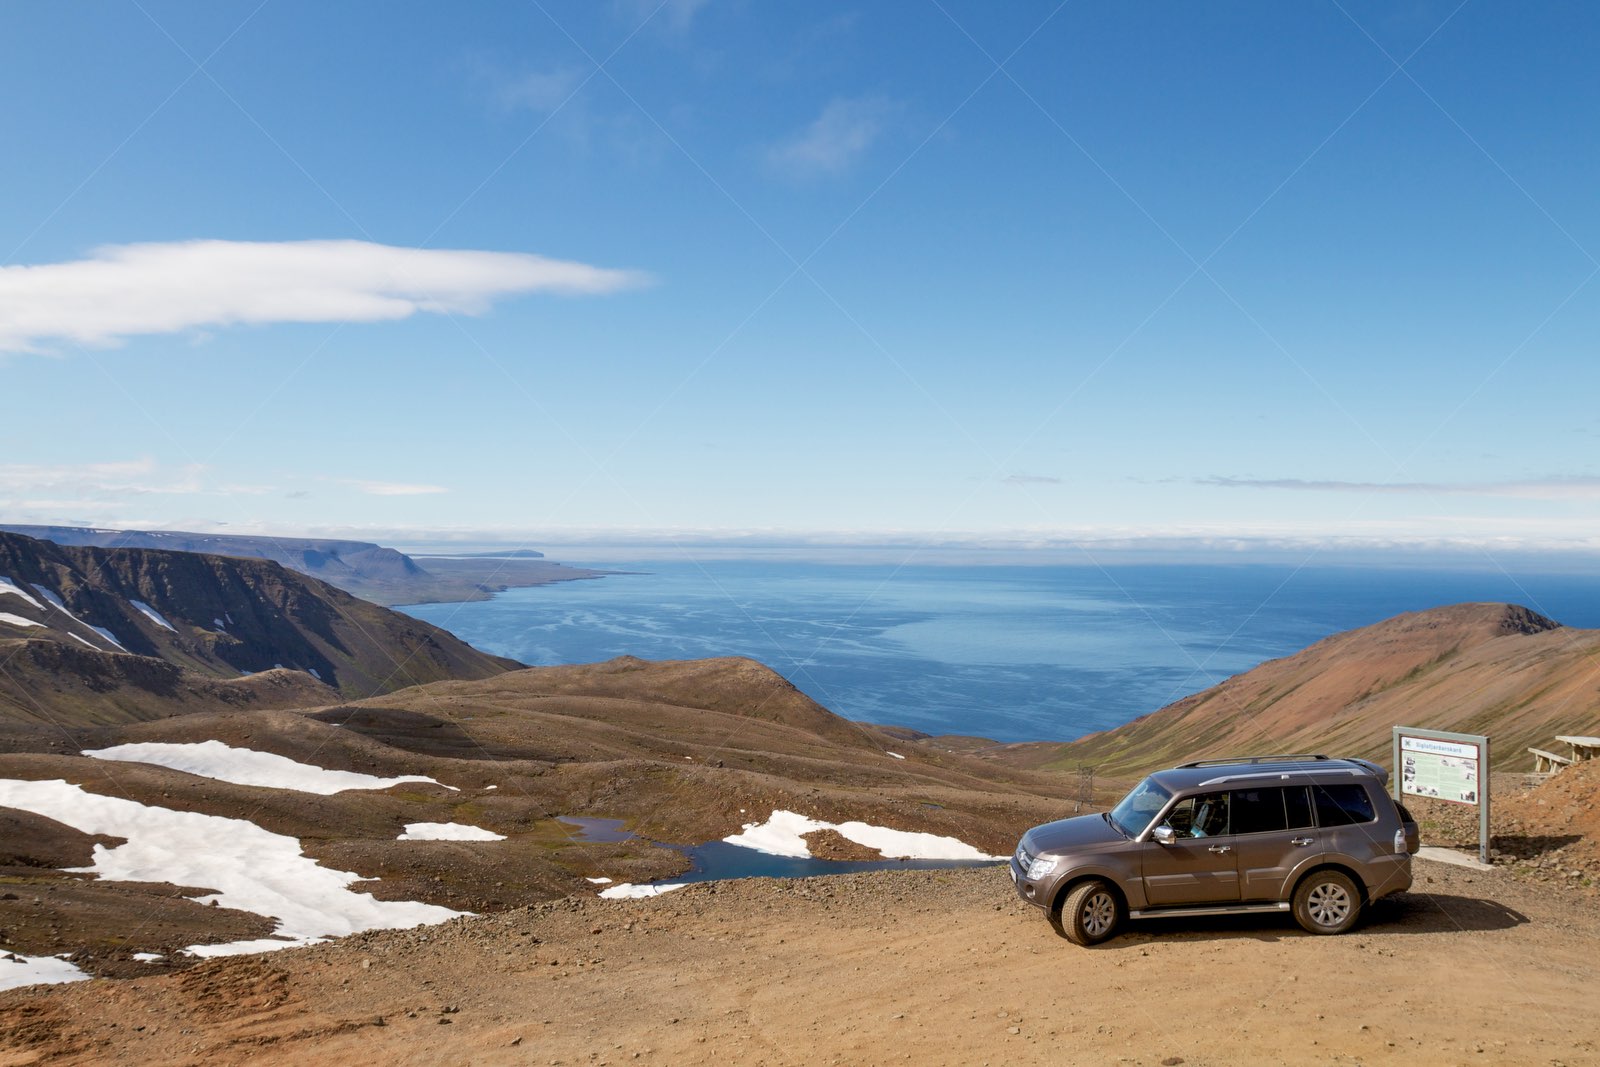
(912, 967)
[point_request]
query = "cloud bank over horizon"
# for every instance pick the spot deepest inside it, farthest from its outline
(123, 291)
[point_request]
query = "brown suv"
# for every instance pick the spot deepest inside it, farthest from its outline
(1310, 834)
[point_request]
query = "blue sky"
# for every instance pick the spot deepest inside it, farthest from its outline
(1242, 276)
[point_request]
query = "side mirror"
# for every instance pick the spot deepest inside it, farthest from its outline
(1164, 835)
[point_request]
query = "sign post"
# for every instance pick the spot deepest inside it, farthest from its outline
(1444, 766)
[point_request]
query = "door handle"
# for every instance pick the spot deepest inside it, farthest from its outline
(1220, 849)
(1300, 841)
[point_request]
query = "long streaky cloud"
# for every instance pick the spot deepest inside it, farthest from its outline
(1534, 489)
(122, 291)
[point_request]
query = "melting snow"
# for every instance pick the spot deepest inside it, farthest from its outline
(153, 615)
(252, 869)
(148, 957)
(243, 766)
(313, 672)
(447, 831)
(8, 586)
(17, 620)
(599, 881)
(86, 644)
(896, 755)
(48, 595)
(219, 624)
(783, 835)
(17, 971)
(108, 635)
(628, 891)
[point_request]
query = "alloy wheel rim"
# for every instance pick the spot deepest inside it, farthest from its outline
(1329, 904)
(1098, 911)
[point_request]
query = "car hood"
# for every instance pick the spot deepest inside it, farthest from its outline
(1077, 832)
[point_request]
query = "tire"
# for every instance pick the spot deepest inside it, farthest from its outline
(1327, 902)
(1090, 914)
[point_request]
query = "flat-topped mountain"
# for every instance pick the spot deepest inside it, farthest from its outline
(372, 572)
(1495, 669)
(87, 629)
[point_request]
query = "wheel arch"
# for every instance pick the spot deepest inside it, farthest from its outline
(1331, 865)
(1078, 878)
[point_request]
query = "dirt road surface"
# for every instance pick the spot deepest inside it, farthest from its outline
(905, 967)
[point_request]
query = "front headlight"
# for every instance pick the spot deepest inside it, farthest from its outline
(1040, 867)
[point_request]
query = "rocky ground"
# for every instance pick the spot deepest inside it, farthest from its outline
(912, 967)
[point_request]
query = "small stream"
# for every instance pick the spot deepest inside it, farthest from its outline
(716, 861)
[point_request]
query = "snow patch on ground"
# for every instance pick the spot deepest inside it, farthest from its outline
(17, 620)
(784, 835)
(108, 635)
(447, 831)
(598, 881)
(152, 614)
(243, 766)
(219, 624)
(252, 869)
(84, 643)
(896, 755)
(48, 595)
(8, 586)
(17, 971)
(148, 957)
(628, 891)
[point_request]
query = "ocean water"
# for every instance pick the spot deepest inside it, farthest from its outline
(1012, 653)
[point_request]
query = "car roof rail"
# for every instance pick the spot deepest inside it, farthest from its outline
(1296, 757)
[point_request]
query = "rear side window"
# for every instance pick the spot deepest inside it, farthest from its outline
(1297, 805)
(1342, 805)
(1257, 811)
(1260, 811)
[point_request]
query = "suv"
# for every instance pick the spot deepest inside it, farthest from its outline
(1304, 833)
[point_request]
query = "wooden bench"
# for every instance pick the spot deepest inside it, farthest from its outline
(1548, 762)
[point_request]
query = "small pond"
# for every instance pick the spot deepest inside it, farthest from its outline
(716, 861)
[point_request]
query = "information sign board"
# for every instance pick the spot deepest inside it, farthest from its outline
(1444, 766)
(1446, 770)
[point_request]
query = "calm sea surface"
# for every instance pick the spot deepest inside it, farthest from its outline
(1012, 653)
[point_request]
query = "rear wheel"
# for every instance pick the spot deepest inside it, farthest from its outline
(1327, 902)
(1089, 915)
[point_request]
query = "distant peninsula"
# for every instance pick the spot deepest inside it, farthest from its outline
(372, 572)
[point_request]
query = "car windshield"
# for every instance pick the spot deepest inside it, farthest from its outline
(1136, 810)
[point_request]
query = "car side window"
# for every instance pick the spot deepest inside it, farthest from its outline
(1297, 807)
(1204, 815)
(1258, 811)
(1342, 805)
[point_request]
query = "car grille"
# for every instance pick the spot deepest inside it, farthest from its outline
(1023, 859)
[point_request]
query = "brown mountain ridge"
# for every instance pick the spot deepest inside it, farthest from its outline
(1496, 669)
(129, 633)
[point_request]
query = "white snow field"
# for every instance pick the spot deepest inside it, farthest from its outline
(447, 831)
(152, 614)
(17, 971)
(783, 835)
(249, 868)
(8, 586)
(244, 766)
(17, 620)
(628, 891)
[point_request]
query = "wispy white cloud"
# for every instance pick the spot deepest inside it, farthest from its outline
(540, 91)
(833, 141)
(1533, 489)
(123, 477)
(127, 290)
(392, 488)
(676, 15)
(1029, 479)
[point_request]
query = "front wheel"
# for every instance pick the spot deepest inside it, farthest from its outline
(1089, 915)
(1327, 902)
